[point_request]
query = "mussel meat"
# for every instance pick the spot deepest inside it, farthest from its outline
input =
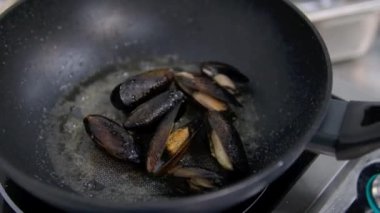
(200, 83)
(224, 75)
(177, 146)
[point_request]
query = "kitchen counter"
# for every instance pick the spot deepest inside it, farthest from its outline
(5, 4)
(359, 79)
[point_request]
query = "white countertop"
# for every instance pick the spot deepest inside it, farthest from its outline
(5, 4)
(359, 79)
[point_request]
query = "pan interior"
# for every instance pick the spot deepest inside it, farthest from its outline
(79, 164)
(52, 51)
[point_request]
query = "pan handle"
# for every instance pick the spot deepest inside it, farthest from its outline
(350, 129)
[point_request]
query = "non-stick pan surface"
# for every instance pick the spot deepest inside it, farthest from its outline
(48, 48)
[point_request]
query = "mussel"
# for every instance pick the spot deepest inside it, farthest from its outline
(204, 85)
(199, 184)
(176, 144)
(112, 137)
(153, 102)
(207, 101)
(193, 172)
(154, 109)
(225, 144)
(197, 178)
(159, 140)
(141, 87)
(224, 75)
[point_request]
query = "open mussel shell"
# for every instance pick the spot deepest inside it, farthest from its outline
(141, 87)
(193, 172)
(205, 100)
(112, 137)
(204, 85)
(159, 140)
(164, 167)
(226, 83)
(198, 184)
(154, 109)
(226, 145)
(182, 135)
(180, 140)
(209, 102)
(213, 68)
(197, 178)
(200, 83)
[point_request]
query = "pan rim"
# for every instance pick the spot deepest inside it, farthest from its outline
(209, 200)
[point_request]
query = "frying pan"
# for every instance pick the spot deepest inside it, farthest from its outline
(48, 48)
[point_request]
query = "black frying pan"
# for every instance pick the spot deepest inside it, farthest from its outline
(53, 49)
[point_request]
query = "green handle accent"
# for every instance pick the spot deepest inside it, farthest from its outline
(368, 194)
